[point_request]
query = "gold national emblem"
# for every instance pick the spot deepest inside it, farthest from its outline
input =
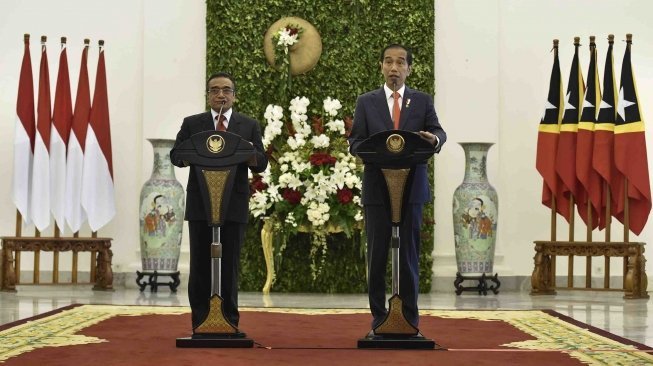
(395, 143)
(215, 143)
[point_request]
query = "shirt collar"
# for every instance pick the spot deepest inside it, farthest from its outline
(388, 91)
(226, 114)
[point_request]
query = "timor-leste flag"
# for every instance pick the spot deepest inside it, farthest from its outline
(24, 136)
(588, 178)
(630, 150)
(603, 153)
(566, 154)
(547, 137)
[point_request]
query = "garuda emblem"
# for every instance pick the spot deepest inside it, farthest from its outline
(395, 143)
(215, 143)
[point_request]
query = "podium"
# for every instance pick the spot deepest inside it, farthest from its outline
(396, 153)
(215, 156)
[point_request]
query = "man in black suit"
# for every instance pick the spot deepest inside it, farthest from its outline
(221, 91)
(380, 110)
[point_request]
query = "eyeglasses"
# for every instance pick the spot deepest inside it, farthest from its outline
(225, 91)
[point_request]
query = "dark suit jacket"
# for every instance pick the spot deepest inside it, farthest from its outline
(372, 115)
(248, 129)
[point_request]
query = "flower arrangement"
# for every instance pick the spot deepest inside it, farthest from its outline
(285, 38)
(312, 184)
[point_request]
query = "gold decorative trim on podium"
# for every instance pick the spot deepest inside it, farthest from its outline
(216, 182)
(395, 180)
(395, 323)
(215, 322)
(395, 143)
(215, 143)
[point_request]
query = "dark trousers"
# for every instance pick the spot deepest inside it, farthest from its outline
(199, 280)
(379, 230)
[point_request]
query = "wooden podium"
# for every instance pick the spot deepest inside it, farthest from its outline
(395, 152)
(215, 156)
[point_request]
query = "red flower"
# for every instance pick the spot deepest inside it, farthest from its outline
(318, 159)
(345, 195)
(257, 184)
(291, 30)
(291, 195)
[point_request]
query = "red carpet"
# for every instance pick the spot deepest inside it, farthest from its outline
(283, 338)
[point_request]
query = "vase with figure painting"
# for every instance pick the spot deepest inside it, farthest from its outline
(475, 214)
(161, 213)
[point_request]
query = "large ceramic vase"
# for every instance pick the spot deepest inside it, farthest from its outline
(161, 213)
(475, 214)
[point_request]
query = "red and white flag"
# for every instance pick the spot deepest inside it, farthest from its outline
(75, 215)
(40, 192)
(24, 136)
(61, 121)
(97, 177)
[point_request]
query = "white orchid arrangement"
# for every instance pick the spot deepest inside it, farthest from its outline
(312, 184)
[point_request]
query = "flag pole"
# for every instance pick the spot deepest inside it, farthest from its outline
(554, 202)
(19, 224)
(608, 215)
(553, 218)
(629, 41)
(589, 221)
(626, 212)
(572, 204)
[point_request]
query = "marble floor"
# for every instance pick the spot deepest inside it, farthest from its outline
(605, 310)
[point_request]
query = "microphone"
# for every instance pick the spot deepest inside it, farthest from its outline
(220, 112)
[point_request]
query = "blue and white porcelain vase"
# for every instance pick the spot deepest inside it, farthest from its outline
(475, 213)
(161, 213)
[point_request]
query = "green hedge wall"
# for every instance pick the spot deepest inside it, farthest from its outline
(353, 34)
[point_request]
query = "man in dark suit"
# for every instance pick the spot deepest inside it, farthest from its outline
(380, 110)
(221, 91)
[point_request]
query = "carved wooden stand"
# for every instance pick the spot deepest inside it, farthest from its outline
(635, 279)
(153, 280)
(100, 270)
(482, 286)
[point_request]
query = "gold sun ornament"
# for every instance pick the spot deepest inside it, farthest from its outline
(304, 54)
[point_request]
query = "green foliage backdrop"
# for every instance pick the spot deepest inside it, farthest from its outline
(353, 34)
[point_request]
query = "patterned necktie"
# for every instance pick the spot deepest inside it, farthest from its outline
(396, 111)
(220, 125)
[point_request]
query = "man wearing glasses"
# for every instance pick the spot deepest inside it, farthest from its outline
(221, 91)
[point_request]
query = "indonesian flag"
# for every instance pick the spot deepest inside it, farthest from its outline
(97, 177)
(566, 154)
(589, 179)
(24, 136)
(603, 154)
(630, 151)
(40, 200)
(61, 121)
(75, 215)
(547, 137)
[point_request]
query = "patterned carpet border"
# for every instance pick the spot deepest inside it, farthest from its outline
(552, 331)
